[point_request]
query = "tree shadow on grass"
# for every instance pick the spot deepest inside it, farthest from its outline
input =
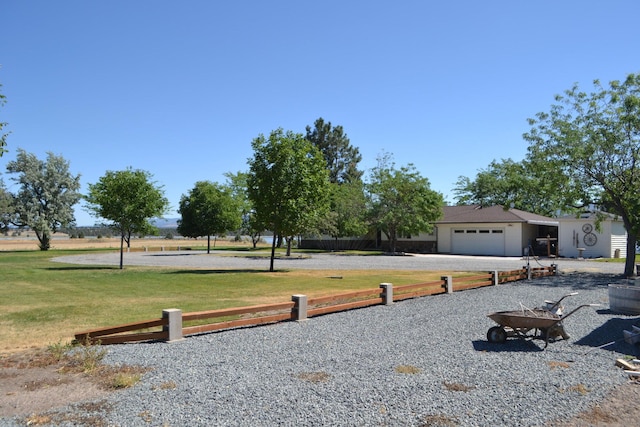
(225, 271)
(84, 267)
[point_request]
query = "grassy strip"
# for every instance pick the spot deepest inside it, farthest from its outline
(43, 301)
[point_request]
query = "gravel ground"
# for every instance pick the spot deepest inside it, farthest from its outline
(420, 362)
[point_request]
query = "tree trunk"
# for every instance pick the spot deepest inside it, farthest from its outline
(289, 246)
(208, 243)
(44, 239)
(121, 250)
(393, 239)
(273, 252)
(630, 263)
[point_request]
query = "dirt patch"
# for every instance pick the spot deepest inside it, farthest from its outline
(44, 388)
(36, 382)
(618, 409)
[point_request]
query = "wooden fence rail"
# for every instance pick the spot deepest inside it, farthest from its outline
(170, 326)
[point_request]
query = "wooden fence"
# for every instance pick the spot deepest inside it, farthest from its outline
(171, 326)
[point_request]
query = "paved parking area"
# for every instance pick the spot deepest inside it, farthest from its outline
(244, 261)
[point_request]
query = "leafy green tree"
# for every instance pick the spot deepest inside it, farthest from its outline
(3, 136)
(402, 202)
(287, 184)
(47, 194)
(128, 199)
(507, 183)
(6, 208)
(588, 148)
(249, 226)
(209, 209)
(342, 158)
(347, 214)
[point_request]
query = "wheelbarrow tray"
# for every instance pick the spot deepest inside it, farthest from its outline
(529, 319)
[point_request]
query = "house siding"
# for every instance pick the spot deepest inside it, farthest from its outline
(609, 237)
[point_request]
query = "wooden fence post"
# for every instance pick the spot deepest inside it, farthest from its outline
(299, 310)
(174, 324)
(387, 293)
(448, 283)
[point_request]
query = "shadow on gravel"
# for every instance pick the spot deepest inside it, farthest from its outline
(578, 281)
(610, 337)
(514, 345)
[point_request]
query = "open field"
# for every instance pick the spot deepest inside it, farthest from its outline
(44, 302)
(28, 241)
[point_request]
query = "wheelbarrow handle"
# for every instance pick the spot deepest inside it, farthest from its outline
(557, 303)
(578, 308)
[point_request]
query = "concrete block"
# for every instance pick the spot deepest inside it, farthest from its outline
(387, 293)
(174, 327)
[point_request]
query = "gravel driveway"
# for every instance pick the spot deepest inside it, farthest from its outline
(240, 260)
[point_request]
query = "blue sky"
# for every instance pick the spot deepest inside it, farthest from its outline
(180, 89)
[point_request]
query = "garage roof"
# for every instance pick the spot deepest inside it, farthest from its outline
(478, 214)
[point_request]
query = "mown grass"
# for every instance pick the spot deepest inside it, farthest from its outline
(42, 302)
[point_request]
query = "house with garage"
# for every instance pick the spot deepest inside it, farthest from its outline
(592, 235)
(495, 231)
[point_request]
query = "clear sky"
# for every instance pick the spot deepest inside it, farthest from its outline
(181, 88)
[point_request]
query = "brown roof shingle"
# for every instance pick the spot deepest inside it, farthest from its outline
(477, 214)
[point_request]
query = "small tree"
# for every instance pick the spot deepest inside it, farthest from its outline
(347, 215)
(249, 226)
(287, 184)
(46, 197)
(128, 199)
(208, 209)
(402, 202)
(6, 208)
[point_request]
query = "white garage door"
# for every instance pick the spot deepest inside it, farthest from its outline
(478, 241)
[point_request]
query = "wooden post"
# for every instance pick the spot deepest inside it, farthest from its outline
(299, 310)
(387, 293)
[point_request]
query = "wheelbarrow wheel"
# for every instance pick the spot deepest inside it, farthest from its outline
(497, 334)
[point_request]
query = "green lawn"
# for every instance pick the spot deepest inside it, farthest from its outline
(44, 302)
